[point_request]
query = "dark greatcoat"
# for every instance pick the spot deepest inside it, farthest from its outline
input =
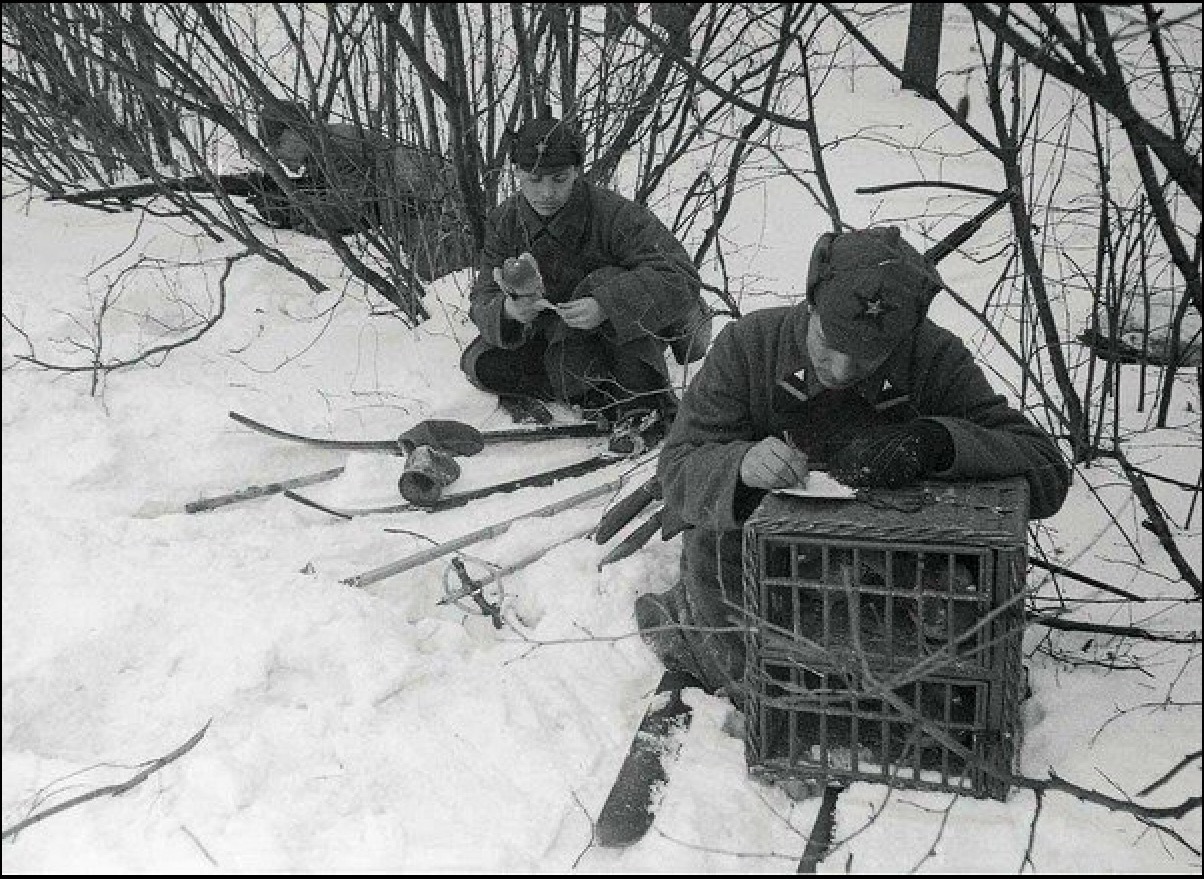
(599, 244)
(736, 400)
(358, 179)
(365, 173)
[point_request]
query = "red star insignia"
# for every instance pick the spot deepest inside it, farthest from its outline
(874, 310)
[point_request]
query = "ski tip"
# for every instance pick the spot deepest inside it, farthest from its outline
(676, 679)
(620, 836)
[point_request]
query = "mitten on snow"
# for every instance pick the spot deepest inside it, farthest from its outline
(894, 456)
(428, 470)
(453, 437)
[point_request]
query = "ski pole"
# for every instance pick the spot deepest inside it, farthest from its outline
(254, 491)
(469, 585)
(434, 552)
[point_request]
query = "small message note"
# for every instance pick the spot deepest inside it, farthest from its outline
(819, 484)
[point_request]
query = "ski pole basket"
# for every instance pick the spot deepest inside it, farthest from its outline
(884, 636)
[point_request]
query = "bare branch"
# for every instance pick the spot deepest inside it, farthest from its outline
(111, 790)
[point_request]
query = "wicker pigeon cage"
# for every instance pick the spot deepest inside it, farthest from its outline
(884, 639)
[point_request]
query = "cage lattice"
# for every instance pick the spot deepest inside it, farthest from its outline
(884, 638)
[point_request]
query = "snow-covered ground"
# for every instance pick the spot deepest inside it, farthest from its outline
(376, 730)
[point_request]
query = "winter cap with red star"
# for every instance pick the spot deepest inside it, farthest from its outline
(548, 144)
(870, 289)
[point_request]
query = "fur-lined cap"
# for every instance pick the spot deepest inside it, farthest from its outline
(548, 144)
(870, 289)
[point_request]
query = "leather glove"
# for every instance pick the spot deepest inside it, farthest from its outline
(452, 437)
(894, 456)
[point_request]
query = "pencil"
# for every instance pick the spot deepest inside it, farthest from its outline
(789, 440)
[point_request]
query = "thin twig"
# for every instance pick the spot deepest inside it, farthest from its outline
(1065, 625)
(1182, 764)
(113, 789)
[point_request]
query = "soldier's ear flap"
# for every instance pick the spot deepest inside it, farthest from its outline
(819, 269)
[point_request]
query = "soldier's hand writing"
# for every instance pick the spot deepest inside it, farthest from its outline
(582, 314)
(773, 463)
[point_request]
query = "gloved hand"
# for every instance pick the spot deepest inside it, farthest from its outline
(894, 456)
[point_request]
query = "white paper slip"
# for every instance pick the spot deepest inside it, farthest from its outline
(819, 484)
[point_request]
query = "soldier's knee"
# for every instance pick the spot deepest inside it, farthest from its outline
(469, 361)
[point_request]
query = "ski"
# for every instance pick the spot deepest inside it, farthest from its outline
(316, 505)
(627, 509)
(525, 410)
(636, 540)
(460, 498)
(630, 808)
(404, 444)
(819, 842)
(638, 790)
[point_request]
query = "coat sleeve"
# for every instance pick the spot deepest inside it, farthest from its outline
(659, 284)
(991, 440)
(486, 299)
(699, 465)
